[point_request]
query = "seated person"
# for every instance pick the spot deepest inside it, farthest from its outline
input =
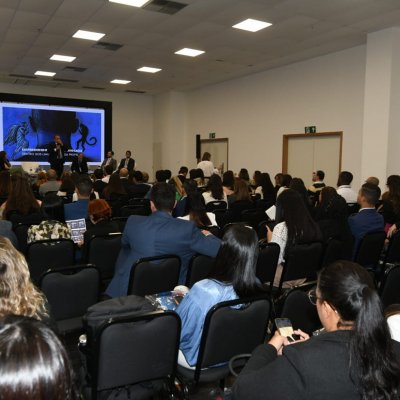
(264, 187)
(232, 277)
(79, 164)
(99, 215)
(354, 358)
(53, 226)
(18, 295)
(367, 219)
(98, 184)
(215, 191)
(79, 208)
(67, 187)
(241, 194)
(390, 208)
(52, 184)
(33, 362)
(344, 189)
(392, 314)
(196, 211)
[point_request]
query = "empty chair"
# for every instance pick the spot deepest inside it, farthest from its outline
(102, 251)
(370, 249)
(299, 309)
(69, 292)
(152, 275)
(228, 331)
(303, 261)
(216, 205)
(253, 217)
(199, 268)
(389, 289)
(267, 262)
(49, 254)
(131, 352)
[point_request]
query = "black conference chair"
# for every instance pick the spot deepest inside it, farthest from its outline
(352, 208)
(69, 292)
(21, 232)
(389, 289)
(222, 217)
(392, 255)
(152, 275)
(49, 254)
(253, 217)
(216, 205)
(141, 202)
(103, 252)
(370, 249)
(200, 267)
(236, 208)
(127, 211)
(227, 332)
(298, 308)
(267, 262)
(333, 251)
(134, 355)
(262, 229)
(303, 261)
(121, 221)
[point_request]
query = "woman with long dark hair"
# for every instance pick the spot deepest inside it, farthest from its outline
(196, 211)
(33, 362)
(354, 359)
(4, 163)
(233, 276)
(228, 182)
(294, 225)
(265, 188)
(214, 191)
(391, 201)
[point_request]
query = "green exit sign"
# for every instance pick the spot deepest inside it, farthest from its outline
(211, 135)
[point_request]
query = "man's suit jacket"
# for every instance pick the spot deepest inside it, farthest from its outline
(156, 235)
(366, 220)
(312, 370)
(51, 149)
(76, 210)
(113, 163)
(131, 164)
(81, 168)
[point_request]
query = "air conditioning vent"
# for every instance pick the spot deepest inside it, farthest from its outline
(65, 80)
(75, 69)
(135, 91)
(164, 6)
(107, 46)
(93, 87)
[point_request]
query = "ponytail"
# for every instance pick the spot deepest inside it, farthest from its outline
(373, 369)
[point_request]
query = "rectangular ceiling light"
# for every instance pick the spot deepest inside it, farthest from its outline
(44, 73)
(120, 81)
(88, 35)
(59, 57)
(133, 3)
(252, 25)
(189, 52)
(151, 70)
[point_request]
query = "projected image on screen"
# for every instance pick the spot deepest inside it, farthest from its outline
(27, 130)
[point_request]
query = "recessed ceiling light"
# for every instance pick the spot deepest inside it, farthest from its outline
(133, 3)
(120, 81)
(45, 73)
(252, 25)
(59, 57)
(189, 52)
(88, 35)
(149, 69)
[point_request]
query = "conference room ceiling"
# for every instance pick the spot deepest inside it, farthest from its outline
(31, 31)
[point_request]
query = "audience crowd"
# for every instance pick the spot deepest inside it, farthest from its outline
(220, 215)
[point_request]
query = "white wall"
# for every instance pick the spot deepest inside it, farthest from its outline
(255, 111)
(132, 126)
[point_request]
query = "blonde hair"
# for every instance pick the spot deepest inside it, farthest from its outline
(18, 295)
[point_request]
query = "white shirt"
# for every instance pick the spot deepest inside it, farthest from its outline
(106, 179)
(208, 197)
(210, 215)
(279, 236)
(347, 193)
(207, 167)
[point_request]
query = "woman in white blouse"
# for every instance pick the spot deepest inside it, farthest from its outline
(215, 191)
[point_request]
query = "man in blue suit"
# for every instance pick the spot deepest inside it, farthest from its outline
(79, 209)
(159, 234)
(367, 219)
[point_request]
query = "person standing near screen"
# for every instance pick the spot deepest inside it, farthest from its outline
(56, 155)
(127, 162)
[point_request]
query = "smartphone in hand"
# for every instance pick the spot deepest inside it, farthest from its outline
(285, 328)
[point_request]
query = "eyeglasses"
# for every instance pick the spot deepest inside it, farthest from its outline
(312, 296)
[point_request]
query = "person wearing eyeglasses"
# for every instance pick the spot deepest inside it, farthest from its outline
(355, 358)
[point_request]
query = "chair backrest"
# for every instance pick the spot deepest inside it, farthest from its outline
(370, 249)
(131, 350)
(230, 331)
(352, 208)
(302, 261)
(253, 217)
(154, 275)
(262, 229)
(389, 290)
(236, 208)
(333, 251)
(103, 251)
(127, 211)
(393, 252)
(21, 232)
(267, 262)
(200, 267)
(298, 308)
(49, 254)
(70, 291)
(121, 221)
(222, 217)
(216, 205)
